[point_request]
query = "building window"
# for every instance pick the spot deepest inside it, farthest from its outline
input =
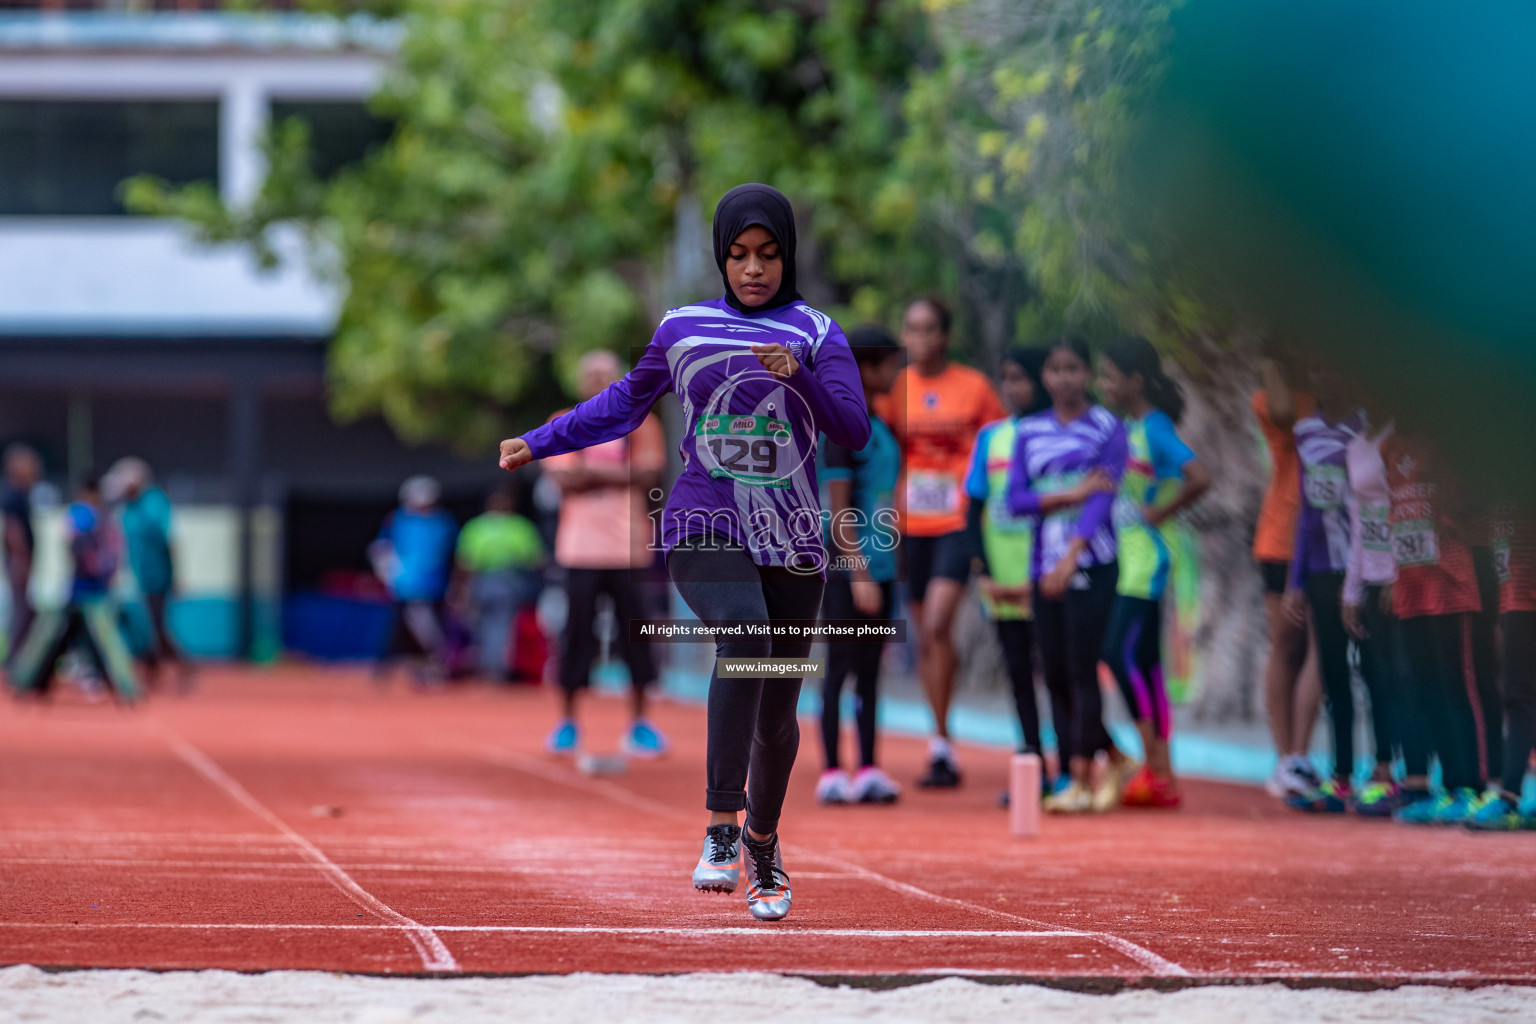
(64, 157)
(340, 134)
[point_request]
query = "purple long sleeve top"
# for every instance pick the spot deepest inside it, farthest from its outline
(1049, 457)
(749, 457)
(1323, 522)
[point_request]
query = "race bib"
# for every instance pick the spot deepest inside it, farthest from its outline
(1375, 528)
(1414, 542)
(1501, 560)
(1325, 486)
(932, 494)
(758, 451)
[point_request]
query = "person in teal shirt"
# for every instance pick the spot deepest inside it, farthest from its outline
(144, 515)
(501, 553)
(859, 494)
(1162, 476)
(1004, 544)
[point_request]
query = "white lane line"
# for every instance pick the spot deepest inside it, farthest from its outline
(434, 955)
(1148, 959)
(1140, 954)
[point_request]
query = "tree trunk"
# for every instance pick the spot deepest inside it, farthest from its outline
(1231, 641)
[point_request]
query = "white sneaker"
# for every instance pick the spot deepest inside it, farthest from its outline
(1293, 775)
(833, 787)
(873, 786)
(1075, 799)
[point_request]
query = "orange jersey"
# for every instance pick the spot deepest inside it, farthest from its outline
(936, 419)
(1275, 536)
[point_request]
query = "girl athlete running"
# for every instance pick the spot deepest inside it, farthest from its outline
(1162, 477)
(759, 373)
(1067, 464)
(1004, 543)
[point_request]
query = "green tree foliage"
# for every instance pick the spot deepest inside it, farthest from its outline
(1047, 95)
(542, 153)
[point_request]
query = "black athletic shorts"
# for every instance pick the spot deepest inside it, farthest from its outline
(947, 556)
(1277, 576)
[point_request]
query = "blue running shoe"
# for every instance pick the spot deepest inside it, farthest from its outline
(1497, 814)
(1420, 810)
(1332, 797)
(644, 740)
(564, 739)
(1460, 806)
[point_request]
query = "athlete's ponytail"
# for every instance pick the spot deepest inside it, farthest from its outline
(1136, 355)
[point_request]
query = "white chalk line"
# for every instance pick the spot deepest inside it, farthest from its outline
(434, 955)
(1140, 954)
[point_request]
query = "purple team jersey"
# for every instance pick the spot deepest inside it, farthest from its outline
(1049, 457)
(1323, 525)
(749, 457)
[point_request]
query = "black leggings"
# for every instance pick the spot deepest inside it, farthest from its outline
(845, 658)
(1488, 709)
(1070, 632)
(1133, 650)
(753, 734)
(581, 645)
(1444, 685)
(1519, 696)
(1017, 638)
(1324, 592)
(1381, 668)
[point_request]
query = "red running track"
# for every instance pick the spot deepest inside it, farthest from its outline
(185, 834)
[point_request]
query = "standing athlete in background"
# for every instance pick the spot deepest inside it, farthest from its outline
(1004, 545)
(1162, 477)
(146, 521)
(860, 494)
(413, 555)
(1067, 464)
(602, 543)
(1292, 689)
(936, 409)
(758, 373)
(23, 470)
(1318, 563)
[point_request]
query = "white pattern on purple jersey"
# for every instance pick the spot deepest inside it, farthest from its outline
(1050, 457)
(1323, 524)
(749, 457)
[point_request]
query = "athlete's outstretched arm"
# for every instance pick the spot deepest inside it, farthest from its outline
(612, 413)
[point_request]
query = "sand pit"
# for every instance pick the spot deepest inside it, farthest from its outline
(30, 995)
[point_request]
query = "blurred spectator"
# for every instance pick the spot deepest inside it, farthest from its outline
(412, 555)
(145, 515)
(500, 552)
(23, 469)
(603, 543)
(90, 619)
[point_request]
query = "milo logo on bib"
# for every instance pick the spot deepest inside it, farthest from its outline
(755, 450)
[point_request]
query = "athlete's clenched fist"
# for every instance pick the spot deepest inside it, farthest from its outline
(514, 453)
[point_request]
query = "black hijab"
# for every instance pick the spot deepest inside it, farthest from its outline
(1031, 359)
(761, 206)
